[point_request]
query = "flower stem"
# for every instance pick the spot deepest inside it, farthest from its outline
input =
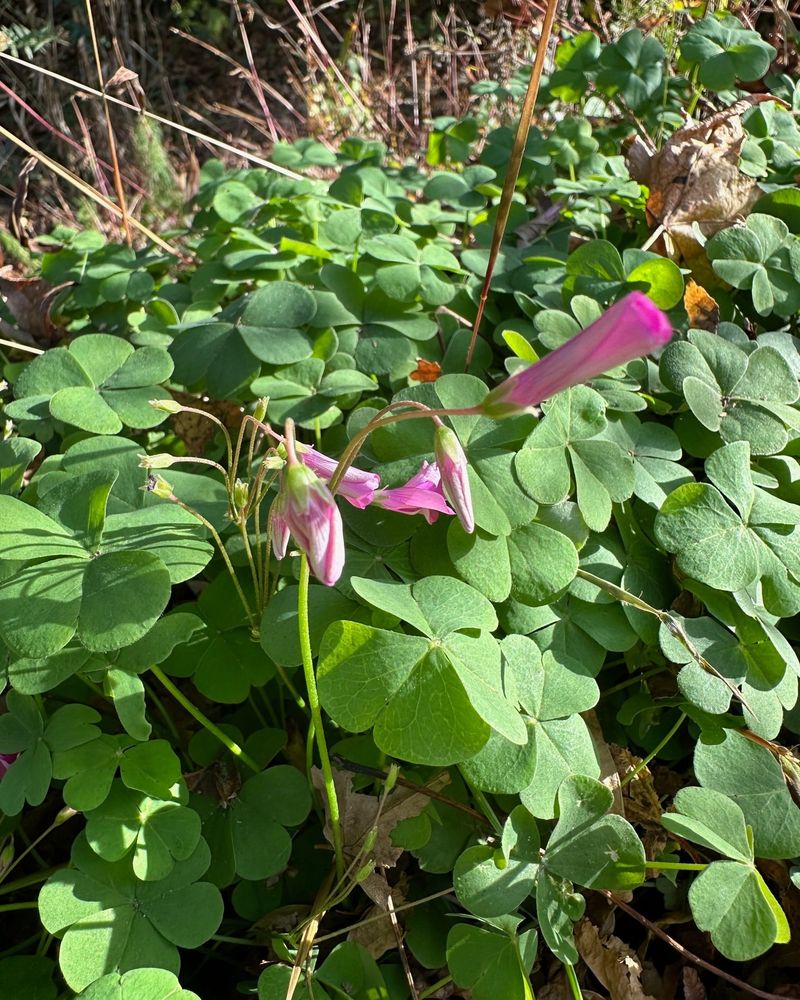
(316, 715)
(204, 721)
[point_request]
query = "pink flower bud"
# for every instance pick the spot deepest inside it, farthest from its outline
(310, 513)
(454, 469)
(6, 760)
(422, 494)
(357, 486)
(630, 328)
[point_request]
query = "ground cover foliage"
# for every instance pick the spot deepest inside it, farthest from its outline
(499, 763)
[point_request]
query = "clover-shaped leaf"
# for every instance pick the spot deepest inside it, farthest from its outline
(431, 698)
(588, 846)
(632, 66)
(762, 257)
(564, 449)
(24, 731)
(597, 269)
(111, 922)
(490, 882)
(157, 832)
(726, 52)
(730, 898)
(730, 547)
(221, 656)
(411, 270)
(551, 694)
(492, 962)
(247, 832)
(89, 769)
(98, 384)
(746, 657)
(77, 571)
(575, 59)
(739, 395)
(154, 984)
(656, 453)
(749, 774)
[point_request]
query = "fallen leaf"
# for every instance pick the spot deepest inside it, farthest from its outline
(612, 962)
(359, 815)
(196, 431)
(702, 309)
(693, 988)
(29, 301)
(426, 371)
(696, 184)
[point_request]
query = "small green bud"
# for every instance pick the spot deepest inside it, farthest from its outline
(365, 871)
(241, 494)
(391, 778)
(260, 409)
(369, 840)
(64, 814)
(163, 461)
(167, 405)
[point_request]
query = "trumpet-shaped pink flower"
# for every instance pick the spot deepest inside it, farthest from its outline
(357, 486)
(630, 328)
(307, 510)
(422, 494)
(454, 470)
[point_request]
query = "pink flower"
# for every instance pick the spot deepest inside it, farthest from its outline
(630, 328)
(6, 760)
(454, 470)
(356, 486)
(422, 494)
(307, 510)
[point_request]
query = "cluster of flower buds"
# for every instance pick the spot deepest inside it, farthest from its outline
(305, 507)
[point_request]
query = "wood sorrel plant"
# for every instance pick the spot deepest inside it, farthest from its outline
(465, 599)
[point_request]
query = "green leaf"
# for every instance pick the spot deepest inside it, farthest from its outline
(587, 846)
(712, 820)
(110, 922)
(725, 52)
(98, 384)
(732, 901)
(490, 882)
(491, 964)
(138, 984)
(749, 775)
(158, 832)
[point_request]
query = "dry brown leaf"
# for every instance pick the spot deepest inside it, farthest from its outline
(29, 301)
(702, 309)
(359, 815)
(693, 988)
(642, 804)
(196, 431)
(612, 962)
(426, 371)
(377, 936)
(609, 774)
(695, 180)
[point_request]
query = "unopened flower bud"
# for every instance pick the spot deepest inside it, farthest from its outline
(64, 814)
(454, 470)
(167, 405)
(163, 461)
(632, 327)
(307, 509)
(241, 494)
(260, 409)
